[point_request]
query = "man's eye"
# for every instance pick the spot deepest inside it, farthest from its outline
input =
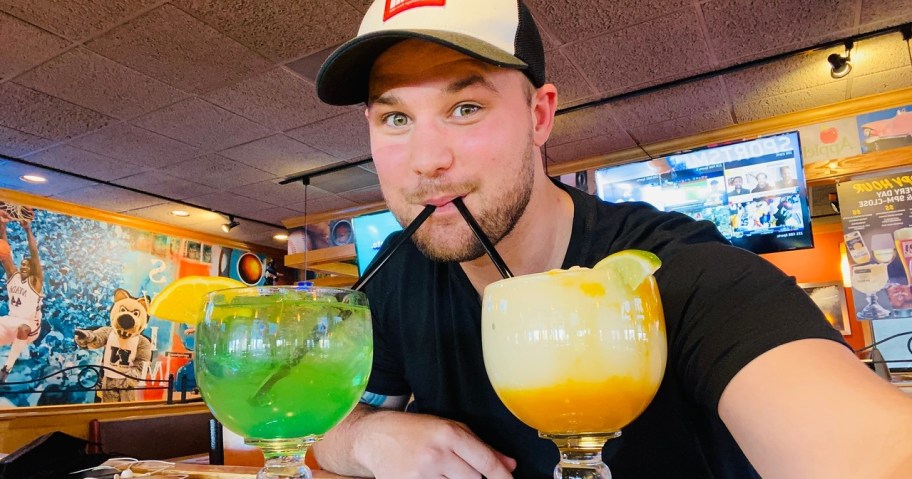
(395, 120)
(466, 110)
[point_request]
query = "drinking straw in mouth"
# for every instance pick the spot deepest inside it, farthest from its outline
(483, 238)
(379, 261)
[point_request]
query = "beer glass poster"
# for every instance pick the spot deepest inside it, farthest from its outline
(877, 225)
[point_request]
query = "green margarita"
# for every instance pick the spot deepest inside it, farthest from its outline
(283, 365)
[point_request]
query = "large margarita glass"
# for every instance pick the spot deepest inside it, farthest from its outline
(282, 365)
(577, 354)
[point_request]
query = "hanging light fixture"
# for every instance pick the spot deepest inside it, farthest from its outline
(841, 64)
(227, 227)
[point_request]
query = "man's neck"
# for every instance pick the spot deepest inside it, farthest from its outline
(537, 243)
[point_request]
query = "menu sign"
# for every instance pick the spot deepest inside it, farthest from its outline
(877, 224)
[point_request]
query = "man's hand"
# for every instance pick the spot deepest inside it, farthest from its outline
(393, 444)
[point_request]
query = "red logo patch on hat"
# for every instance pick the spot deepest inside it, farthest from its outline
(395, 7)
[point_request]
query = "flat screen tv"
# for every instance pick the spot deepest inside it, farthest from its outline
(370, 231)
(753, 190)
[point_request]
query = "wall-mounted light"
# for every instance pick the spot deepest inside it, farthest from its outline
(844, 269)
(33, 179)
(841, 64)
(280, 237)
(180, 213)
(230, 224)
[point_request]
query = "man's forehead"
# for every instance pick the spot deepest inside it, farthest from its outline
(416, 60)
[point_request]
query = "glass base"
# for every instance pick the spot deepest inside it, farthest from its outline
(284, 457)
(873, 310)
(581, 454)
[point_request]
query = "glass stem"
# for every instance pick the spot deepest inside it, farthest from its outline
(581, 455)
(284, 457)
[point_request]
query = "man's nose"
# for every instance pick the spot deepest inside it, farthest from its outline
(430, 151)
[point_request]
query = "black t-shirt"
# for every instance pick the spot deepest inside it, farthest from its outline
(723, 307)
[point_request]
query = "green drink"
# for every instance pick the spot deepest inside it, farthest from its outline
(281, 366)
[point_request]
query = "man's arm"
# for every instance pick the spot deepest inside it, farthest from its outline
(385, 442)
(810, 408)
(7, 261)
(37, 272)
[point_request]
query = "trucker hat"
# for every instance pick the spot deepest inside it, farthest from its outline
(499, 32)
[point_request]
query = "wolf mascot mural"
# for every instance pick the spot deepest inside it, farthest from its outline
(125, 348)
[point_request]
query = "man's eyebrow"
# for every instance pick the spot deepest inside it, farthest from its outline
(468, 81)
(384, 99)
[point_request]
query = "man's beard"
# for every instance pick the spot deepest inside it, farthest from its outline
(455, 242)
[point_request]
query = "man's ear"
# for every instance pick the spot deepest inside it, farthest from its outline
(544, 106)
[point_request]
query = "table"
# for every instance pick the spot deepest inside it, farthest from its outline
(207, 471)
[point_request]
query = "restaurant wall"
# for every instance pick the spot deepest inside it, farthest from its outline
(821, 264)
(88, 265)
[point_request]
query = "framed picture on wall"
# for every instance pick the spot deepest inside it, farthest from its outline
(831, 299)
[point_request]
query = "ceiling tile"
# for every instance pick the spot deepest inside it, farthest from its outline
(278, 99)
(363, 196)
(369, 166)
(274, 193)
(110, 198)
(571, 84)
(24, 45)
(91, 80)
(864, 85)
(135, 145)
(162, 184)
(18, 144)
(171, 46)
(309, 66)
(791, 74)
(645, 54)
(682, 126)
(162, 213)
(684, 100)
(279, 155)
(789, 102)
(276, 215)
(320, 205)
(885, 13)
(881, 53)
(275, 29)
(360, 5)
(217, 171)
(86, 163)
(750, 28)
(587, 148)
(202, 124)
(573, 20)
(229, 203)
(340, 181)
(75, 19)
(587, 123)
(57, 182)
(42, 115)
(344, 136)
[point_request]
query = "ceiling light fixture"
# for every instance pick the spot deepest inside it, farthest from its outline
(841, 65)
(280, 237)
(33, 179)
(230, 224)
(181, 213)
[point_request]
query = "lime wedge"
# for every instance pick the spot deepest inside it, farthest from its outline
(184, 300)
(631, 265)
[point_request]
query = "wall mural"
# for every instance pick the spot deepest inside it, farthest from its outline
(75, 291)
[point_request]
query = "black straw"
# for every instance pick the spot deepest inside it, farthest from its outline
(379, 261)
(485, 242)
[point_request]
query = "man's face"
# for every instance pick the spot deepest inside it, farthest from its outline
(737, 182)
(442, 126)
(25, 267)
(761, 179)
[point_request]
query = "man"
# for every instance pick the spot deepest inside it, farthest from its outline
(787, 175)
(24, 288)
(762, 184)
(457, 106)
(737, 186)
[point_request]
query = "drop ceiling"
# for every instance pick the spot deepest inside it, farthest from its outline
(212, 103)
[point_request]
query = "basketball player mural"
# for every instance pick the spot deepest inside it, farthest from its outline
(24, 287)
